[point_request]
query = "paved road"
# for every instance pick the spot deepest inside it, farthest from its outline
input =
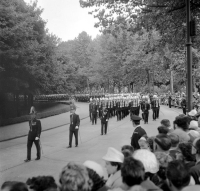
(54, 142)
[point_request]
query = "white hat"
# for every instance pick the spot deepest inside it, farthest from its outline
(148, 159)
(113, 155)
(193, 124)
(194, 134)
(94, 166)
(192, 112)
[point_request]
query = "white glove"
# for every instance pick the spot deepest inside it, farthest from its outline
(36, 138)
(106, 119)
(76, 127)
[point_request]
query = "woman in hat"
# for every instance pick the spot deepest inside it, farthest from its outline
(113, 160)
(33, 135)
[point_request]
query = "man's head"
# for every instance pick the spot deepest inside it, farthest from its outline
(178, 175)
(163, 130)
(174, 139)
(135, 120)
(132, 172)
(75, 177)
(166, 123)
(162, 143)
(72, 109)
(182, 122)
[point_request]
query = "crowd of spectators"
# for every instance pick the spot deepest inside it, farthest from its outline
(169, 161)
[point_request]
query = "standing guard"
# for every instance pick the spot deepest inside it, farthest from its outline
(104, 121)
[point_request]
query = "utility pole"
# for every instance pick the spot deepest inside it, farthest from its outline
(189, 57)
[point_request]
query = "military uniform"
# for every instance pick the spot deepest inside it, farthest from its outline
(94, 113)
(104, 121)
(74, 127)
(145, 108)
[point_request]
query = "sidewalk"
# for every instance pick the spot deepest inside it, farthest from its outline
(21, 129)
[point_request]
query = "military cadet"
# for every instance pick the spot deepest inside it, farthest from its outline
(118, 109)
(104, 121)
(145, 108)
(153, 107)
(138, 131)
(74, 126)
(33, 135)
(157, 107)
(114, 106)
(90, 109)
(94, 112)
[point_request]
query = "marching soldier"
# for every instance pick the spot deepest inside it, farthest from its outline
(33, 135)
(94, 112)
(104, 121)
(154, 107)
(145, 108)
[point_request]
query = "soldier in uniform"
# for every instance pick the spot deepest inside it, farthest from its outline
(157, 107)
(104, 121)
(118, 109)
(74, 126)
(34, 135)
(145, 108)
(90, 109)
(170, 101)
(153, 107)
(138, 131)
(94, 112)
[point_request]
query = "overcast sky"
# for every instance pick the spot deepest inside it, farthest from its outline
(66, 19)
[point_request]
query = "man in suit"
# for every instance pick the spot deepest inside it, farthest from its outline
(34, 135)
(104, 121)
(145, 108)
(138, 131)
(74, 126)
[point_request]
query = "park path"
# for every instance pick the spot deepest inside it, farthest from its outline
(55, 155)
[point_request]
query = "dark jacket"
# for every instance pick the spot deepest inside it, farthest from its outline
(35, 129)
(137, 134)
(104, 117)
(94, 109)
(74, 121)
(145, 107)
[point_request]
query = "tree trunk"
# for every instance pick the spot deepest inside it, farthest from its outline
(148, 80)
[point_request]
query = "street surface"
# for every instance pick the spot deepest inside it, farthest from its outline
(92, 145)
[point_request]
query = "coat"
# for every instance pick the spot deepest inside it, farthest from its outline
(75, 121)
(104, 118)
(35, 129)
(145, 107)
(137, 134)
(115, 180)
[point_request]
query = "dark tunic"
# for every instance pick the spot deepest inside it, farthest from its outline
(137, 134)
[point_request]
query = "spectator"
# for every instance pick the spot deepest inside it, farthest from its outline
(193, 135)
(162, 143)
(128, 147)
(195, 170)
(163, 130)
(94, 166)
(151, 167)
(126, 153)
(40, 183)
(132, 172)
(6, 186)
(185, 154)
(143, 143)
(166, 123)
(75, 177)
(177, 175)
(181, 125)
(193, 125)
(174, 144)
(98, 182)
(150, 141)
(113, 160)
(192, 114)
(19, 186)
(163, 160)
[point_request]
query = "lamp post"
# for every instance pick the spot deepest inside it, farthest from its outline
(189, 57)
